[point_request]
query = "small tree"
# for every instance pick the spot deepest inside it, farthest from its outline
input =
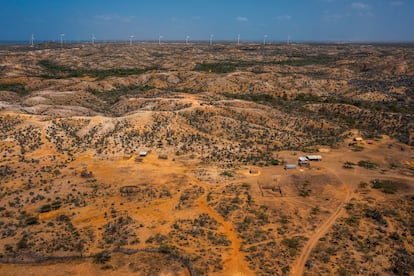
(102, 257)
(349, 165)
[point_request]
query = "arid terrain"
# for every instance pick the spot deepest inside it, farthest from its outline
(170, 159)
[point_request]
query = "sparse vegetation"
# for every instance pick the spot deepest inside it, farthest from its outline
(367, 164)
(348, 165)
(219, 67)
(216, 123)
(386, 186)
(57, 71)
(18, 88)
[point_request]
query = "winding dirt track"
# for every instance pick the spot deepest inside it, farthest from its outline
(234, 265)
(299, 266)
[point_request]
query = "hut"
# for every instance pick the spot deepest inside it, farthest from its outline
(358, 139)
(314, 157)
(303, 161)
(290, 166)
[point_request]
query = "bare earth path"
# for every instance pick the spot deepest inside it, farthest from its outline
(299, 266)
(235, 264)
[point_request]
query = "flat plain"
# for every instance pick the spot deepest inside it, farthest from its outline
(170, 159)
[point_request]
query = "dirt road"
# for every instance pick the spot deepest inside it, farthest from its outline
(234, 265)
(299, 266)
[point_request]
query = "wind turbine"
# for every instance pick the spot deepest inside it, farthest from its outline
(211, 39)
(93, 39)
(186, 39)
(131, 37)
(61, 39)
(32, 41)
(238, 39)
(264, 39)
(159, 39)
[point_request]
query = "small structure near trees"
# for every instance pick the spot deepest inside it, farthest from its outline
(358, 140)
(314, 157)
(303, 161)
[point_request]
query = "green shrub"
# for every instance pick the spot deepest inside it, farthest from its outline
(166, 248)
(367, 164)
(353, 221)
(348, 165)
(291, 243)
(58, 71)
(217, 67)
(31, 221)
(343, 272)
(227, 174)
(357, 148)
(22, 243)
(49, 207)
(45, 208)
(386, 186)
(14, 87)
(362, 185)
(102, 257)
(276, 162)
(246, 186)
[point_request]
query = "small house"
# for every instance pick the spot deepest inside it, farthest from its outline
(290, 166)
(303, 161)
(143, 153)
(314, 157)
(358, 139)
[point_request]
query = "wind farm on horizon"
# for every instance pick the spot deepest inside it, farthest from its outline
(63, 39)
(132, 39)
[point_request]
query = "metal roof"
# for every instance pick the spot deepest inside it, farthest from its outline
(314, 157)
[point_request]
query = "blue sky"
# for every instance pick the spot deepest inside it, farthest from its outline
(303, 20)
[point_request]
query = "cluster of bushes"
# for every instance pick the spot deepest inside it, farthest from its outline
(251, 97)
(367, 164)
(14, 87)
(230, 66)
(216, 67)
(113, 96)
(386, 186)
(49, 207)
(58, 71)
